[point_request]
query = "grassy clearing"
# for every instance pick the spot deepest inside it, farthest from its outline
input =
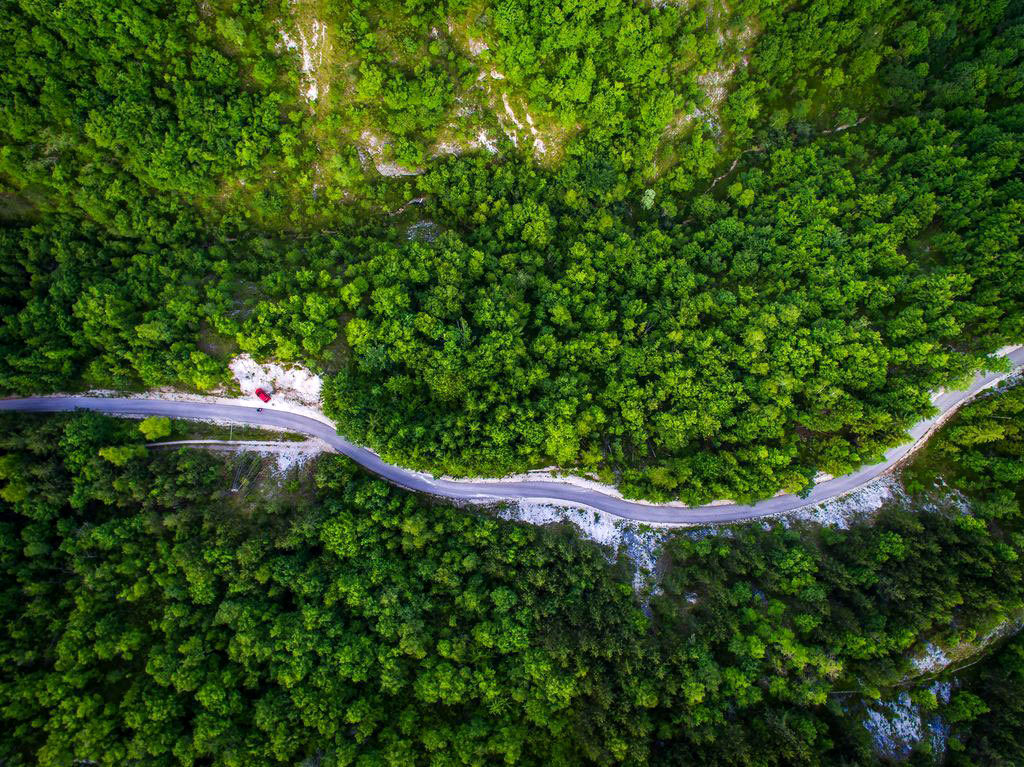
(15, 207)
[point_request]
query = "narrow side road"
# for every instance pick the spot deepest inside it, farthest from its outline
(490, 491)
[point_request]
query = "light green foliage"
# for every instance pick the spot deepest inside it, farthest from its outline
(155, 427)
(119, 455)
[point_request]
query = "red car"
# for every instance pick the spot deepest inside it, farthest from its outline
(264, 397)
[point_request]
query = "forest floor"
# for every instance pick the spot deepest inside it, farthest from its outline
(287, 454)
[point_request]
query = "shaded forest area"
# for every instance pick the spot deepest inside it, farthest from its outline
(150, 616)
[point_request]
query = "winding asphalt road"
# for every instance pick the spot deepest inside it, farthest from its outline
(490, 491)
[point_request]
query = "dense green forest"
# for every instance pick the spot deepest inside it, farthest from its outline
(698, 249)
(152, 616)
(703, 251)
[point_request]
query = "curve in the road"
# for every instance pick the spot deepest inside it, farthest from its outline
(490, 491)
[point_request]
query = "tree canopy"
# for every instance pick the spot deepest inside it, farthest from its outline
(151, 614)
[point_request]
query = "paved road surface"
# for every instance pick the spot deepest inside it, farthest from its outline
(492, 491)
